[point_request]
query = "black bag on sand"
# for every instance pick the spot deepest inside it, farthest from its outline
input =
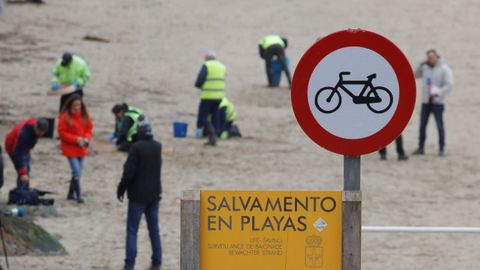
(22, 196)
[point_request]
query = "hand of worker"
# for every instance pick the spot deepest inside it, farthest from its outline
(75, 85)
(24, 177)
(111, 137)
(55, 86)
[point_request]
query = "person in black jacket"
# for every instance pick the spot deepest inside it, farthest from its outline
(141, 180)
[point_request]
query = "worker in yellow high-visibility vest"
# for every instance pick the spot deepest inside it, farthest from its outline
(211, 81)
(272, 46)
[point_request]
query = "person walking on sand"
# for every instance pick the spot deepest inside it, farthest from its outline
(141, 180)
(75, 130)
(211, 81)
(437, 83)
(70, 75)
(272, 46)
(18, 144)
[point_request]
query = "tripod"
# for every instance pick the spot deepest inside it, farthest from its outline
(3, 244)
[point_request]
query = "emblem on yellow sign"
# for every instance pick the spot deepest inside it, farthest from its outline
(314, 252)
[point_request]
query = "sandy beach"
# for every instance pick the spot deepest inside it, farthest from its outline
(156, 49)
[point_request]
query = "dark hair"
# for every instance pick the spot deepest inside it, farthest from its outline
(41, 125)
(118, 108)
(68, 105)
(433, 51)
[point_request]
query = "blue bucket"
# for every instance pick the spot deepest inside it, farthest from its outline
(180, 129)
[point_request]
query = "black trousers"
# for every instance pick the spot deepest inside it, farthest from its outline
(399, 145)
(64, 98)
(208, 107)
(279, 52)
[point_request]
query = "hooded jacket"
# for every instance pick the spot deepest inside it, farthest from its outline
(441, 76)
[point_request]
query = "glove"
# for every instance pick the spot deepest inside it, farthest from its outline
(55, 86)
(111, 137)
(75, 85)
(199, 132)
(224, 135)
(120, 192)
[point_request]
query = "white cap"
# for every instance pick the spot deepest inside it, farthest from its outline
(211, 55)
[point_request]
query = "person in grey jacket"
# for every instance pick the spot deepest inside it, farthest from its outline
(437, 83)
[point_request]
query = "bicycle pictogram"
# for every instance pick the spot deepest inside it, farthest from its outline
(377, 98)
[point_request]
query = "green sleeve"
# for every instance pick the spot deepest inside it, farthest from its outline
(56, 73)
(84, 76)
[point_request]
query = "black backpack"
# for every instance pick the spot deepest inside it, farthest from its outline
(22, 196)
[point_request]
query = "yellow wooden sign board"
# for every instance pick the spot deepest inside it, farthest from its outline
(270, 230)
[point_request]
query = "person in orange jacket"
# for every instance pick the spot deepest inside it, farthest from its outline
(75, 130)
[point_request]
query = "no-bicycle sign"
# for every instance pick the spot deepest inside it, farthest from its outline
(353, 92)
(269, 230)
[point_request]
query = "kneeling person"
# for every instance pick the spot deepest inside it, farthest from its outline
(227, 116)
(126, 123)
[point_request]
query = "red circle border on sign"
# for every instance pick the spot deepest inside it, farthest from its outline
(333, 42)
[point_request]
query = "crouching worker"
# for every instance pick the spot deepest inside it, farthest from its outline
(270, 47)
(18, 144)
(75, 130)
(227, 116)
(141, 180)
(126, 122)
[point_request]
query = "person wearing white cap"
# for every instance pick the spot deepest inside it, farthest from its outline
(211, 82)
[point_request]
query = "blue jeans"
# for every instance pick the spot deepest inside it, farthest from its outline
(209, 107)
(437, 110)
(76, 165)
(135, 211)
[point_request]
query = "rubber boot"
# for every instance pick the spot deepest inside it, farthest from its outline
(71, 194)
(212, 137)
(77, 189)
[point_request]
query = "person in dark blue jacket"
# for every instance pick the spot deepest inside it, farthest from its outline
(18, 143)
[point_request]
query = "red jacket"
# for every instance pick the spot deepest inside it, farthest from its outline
(70, 132)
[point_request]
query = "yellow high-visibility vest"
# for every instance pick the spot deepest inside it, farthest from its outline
(214, 85)
(270, 40)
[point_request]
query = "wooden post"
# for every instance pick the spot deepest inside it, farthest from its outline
(190, 231)
(352, 215)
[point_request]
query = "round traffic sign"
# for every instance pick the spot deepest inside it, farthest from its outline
(353, 92)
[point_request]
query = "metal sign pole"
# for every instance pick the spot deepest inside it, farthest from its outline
(352, 214)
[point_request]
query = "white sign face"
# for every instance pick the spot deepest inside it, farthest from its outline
(353, 92)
